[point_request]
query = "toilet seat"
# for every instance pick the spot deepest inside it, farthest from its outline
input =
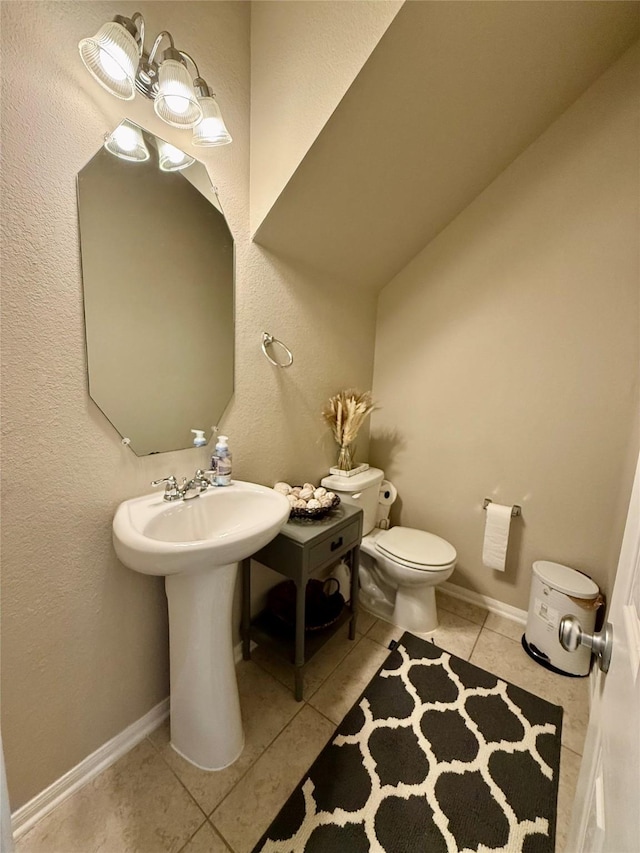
(416, 549)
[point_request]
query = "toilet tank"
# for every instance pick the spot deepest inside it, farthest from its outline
(361, 490)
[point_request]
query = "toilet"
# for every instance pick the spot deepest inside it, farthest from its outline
(400, 566)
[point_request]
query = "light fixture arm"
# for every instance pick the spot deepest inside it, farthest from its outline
(138, 20)
(200, 85)
(202, 88)
(156, 44)
(185, 55)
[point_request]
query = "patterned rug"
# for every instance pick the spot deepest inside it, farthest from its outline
(436, 756)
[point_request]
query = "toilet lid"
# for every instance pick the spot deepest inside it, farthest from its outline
(416, 547)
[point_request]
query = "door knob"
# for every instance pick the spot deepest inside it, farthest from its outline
(572, 637)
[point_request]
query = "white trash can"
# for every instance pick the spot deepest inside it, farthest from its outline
(558, 591)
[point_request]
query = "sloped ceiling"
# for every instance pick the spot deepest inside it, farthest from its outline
(450, 96)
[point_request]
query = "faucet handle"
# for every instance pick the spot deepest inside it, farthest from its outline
(205, 477)
(171, 482)
(171, 491)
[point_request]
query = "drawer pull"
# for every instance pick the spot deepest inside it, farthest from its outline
(337, 544)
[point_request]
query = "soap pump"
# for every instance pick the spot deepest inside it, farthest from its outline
(199, 440)
(221, 462)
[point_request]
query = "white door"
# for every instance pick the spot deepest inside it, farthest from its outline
(606, 811)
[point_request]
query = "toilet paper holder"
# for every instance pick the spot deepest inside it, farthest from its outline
(515, 509)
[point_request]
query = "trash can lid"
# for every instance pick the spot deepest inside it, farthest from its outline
(565, 579)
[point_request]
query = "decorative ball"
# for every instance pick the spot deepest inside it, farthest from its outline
(309, 486)
(296, 490)
(314, 504)
(292, 499)
(306, 494)
(283, 488)
(320, 492)
(330, 495)
(326, 501)
(300, 504)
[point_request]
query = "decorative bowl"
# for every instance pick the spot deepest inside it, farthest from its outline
(314, 514)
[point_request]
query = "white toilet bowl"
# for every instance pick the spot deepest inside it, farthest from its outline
(399, 567)
(399, 571)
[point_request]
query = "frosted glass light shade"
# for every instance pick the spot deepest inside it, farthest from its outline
(127, 142)
(111, 57)
(211, 130)
(176, 101)
(172, 159)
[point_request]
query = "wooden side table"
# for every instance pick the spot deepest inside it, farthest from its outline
(301, 548)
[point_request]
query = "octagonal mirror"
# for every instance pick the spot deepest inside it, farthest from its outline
(158, 278)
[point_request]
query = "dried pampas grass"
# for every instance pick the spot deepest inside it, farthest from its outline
(345, 414)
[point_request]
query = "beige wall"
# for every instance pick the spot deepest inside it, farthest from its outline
(304, 57)
(84, 640)
(506, 358)
(434, 116)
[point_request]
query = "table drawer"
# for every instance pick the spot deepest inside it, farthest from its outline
(335, 545)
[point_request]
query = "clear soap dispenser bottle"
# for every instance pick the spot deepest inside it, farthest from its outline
(221, 462)
(198, 438)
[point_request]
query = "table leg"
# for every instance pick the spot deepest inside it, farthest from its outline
(355, 587)
(300, 623)
(246, 609)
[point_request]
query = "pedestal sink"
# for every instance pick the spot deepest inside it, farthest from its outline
(197, 544)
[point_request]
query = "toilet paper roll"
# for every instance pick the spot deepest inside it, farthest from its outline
(496, 536)
(388, 493)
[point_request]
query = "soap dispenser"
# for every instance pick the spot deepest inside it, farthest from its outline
(221, 461)
(199, 440)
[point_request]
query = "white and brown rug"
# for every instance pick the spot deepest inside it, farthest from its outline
(436, 756)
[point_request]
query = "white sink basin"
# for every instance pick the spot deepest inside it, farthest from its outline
(196, 544)
(221, 526)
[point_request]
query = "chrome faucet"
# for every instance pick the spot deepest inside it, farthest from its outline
(171, 491)
(175, 491)
(199, 483)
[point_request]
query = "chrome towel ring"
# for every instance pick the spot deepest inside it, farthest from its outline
(269, 340)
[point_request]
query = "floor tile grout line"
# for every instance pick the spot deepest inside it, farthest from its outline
(190, 838)
(237, 782)
(226, 843)
(240, 778)
(157, 749)
(443, 605)
(356, 641)
(210, 816)
(500, 634)
(328, 719)
(475, 643)
(302, 705)
(577, 754)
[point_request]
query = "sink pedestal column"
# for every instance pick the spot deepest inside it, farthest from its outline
(206, 725)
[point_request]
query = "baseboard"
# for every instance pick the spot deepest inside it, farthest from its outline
(25, 817)
(490, 604)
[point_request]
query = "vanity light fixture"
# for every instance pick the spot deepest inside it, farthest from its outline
(127, 142)
(117, 59)
(172, 159)
(211, 130)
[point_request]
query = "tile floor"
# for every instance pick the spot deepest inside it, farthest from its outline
(152, 801)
